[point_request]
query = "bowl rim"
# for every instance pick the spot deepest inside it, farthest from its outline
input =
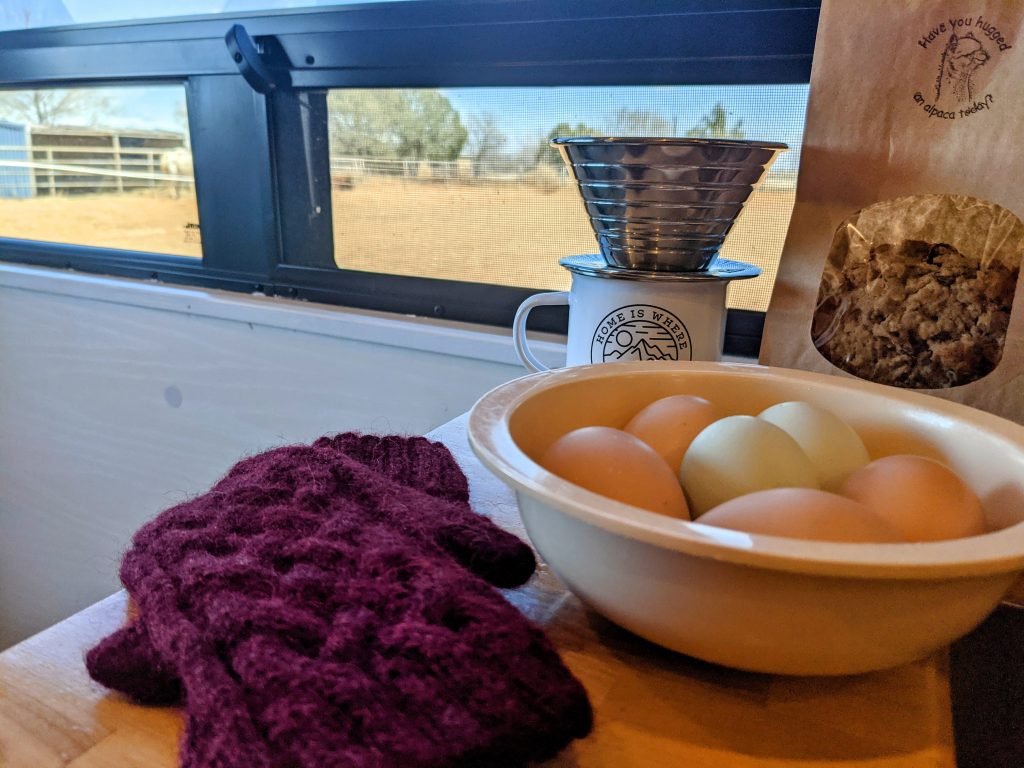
(489, 437)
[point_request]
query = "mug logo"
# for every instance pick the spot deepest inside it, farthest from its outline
(640, 332)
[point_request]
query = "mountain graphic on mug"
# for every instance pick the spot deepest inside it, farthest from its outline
(640, 340)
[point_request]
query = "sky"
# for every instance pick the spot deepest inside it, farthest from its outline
(773, 113)
(526, 115)
(768, 113)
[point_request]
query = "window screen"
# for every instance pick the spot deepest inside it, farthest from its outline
(461, 183)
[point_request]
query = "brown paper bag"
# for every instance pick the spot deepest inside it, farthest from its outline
(902, 261)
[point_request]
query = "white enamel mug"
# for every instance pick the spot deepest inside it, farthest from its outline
(620, 314)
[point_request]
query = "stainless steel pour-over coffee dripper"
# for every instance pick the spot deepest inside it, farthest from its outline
(661, 210)
(664, 204)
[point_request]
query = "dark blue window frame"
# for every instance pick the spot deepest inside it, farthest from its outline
(254, 178)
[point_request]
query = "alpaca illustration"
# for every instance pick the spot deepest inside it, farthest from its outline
(963, 55)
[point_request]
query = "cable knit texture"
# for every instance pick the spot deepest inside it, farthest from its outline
(329, 605)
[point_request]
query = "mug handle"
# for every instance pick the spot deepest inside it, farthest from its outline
(548, 299)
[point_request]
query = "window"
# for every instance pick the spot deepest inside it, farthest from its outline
(25, 14)
(291, 204)
(107, 167)
(461, 184)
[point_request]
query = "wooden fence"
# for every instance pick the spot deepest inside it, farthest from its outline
(53, 170)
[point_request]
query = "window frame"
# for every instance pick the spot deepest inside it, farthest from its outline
(246, 145)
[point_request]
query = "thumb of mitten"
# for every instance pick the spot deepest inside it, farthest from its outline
(434, 503)
(127, 662)
(484, 548)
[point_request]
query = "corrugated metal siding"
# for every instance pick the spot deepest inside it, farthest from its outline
(15, 181)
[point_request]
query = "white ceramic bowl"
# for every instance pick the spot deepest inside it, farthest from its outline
(758, 602)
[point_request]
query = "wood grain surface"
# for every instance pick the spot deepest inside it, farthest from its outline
(653, 708)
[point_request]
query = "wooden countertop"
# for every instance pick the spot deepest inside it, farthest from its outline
(653, 708)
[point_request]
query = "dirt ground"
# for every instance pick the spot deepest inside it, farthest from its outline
(515, 234)
(137, 221)
(507, 233)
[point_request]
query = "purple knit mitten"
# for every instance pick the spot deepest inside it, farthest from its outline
(331, 605)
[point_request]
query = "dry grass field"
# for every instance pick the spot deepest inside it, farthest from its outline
(513, 234)
(137, 221)
(507, 233)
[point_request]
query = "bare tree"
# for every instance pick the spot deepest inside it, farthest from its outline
(715, 125)
(640, 122)
(53, 106)
(486, 142)
(181, 118)
(23, 14)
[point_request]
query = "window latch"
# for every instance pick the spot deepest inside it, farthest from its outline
(263, 64)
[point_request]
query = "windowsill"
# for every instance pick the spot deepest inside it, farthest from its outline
(477, 342)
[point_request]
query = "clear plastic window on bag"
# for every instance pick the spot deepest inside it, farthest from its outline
(917, 291)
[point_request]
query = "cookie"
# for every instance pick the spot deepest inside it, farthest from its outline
(917, 292)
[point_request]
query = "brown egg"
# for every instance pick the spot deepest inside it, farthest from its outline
(618, 465)
(923, 498)
(802, 513)
(669, 425)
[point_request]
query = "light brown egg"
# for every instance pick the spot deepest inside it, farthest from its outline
(669, 425)
(802, 513)
(923, 498)
(618, 465)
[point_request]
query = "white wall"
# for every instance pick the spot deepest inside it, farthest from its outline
(120, 398)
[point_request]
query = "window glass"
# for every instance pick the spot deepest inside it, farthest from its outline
(461, 183)
(99, 166)
(24, 14)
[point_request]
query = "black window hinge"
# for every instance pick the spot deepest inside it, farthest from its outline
(263, 62)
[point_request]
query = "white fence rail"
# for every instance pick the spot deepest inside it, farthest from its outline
(497, 170)
(95, 171)
(461, 169)
(55, 170)
(58, 169)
